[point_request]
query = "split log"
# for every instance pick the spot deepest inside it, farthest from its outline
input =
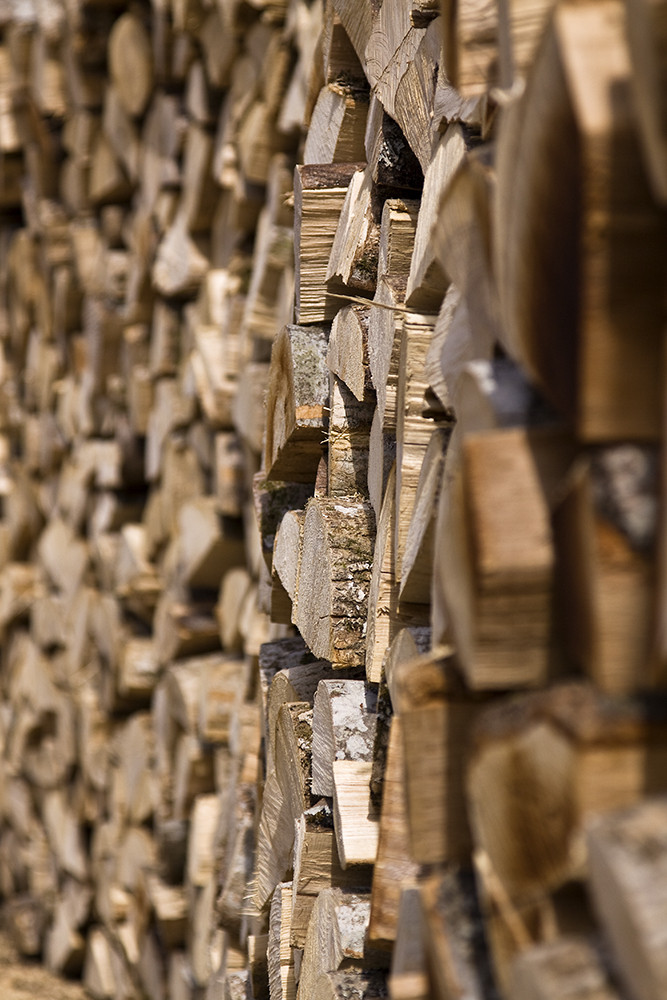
(625, 857)
(319, 193)
(394, 869)
(567, 967)
(297, 399)
(338, 534)
(344, 717)
(586, 748)
(335, 936)
(585, 374)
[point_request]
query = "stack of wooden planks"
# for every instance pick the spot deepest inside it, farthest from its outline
(332, 537)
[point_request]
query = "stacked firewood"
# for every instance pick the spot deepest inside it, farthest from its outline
(331, 538)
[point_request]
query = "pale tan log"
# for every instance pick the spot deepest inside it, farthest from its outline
(347, 354)
(65, 946)
(408, 978)
(131, 63)
(381, 459)
(228, 473)
(193, 774)
(64, 834)
(413, 427)
(280, 958)
(417, 564)
(338, 534)
(394, 869)
(297, 396)
(520, 573)
(355, 818)
(63, 556)
(198, 190)
(135, 791)
(437, 713)
(40, 740)
(461, 243)
(586, 372)
(626, 858)
(317, 866)
(608, 586)
(349, 433)
(137, 672)
(427, 282)
(344, 719)
(287, 550)
(335, 936)
(470, 32)
(108, 181)
(235, 590)
(208, 544)
(592, 752)
(384, 345)
(568, 967)
(204, 942)
(25, 922)
(319, 194)
(180, 263)
(201, 842)
(337, 125)
(214, 363)
(398, 227)
(354, 253)
(385, 614)
(415, 95)
(257, 965)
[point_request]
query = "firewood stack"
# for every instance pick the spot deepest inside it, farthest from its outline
(334, 656)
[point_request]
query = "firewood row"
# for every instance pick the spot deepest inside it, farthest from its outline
(333, 655)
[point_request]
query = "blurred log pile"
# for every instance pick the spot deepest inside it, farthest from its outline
(333, 556)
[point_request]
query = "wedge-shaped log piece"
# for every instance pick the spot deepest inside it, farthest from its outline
(386, 615)
(335, 937)
(319, 193)
(414, 423)
(605, 529)
(344, 718)
(436, 714)
(209, 544)
(347, 356)
(417, 563)
(577, 332)
(354, 254)
(279, 954)
(586, 752)
(337, 125)
(427, 282)
(568, 967)
(334, 578)
(349, 436)
(296, 403)
(498, 592)
(356, 819)
(317, 866)
(394, 868)
(627, 853)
